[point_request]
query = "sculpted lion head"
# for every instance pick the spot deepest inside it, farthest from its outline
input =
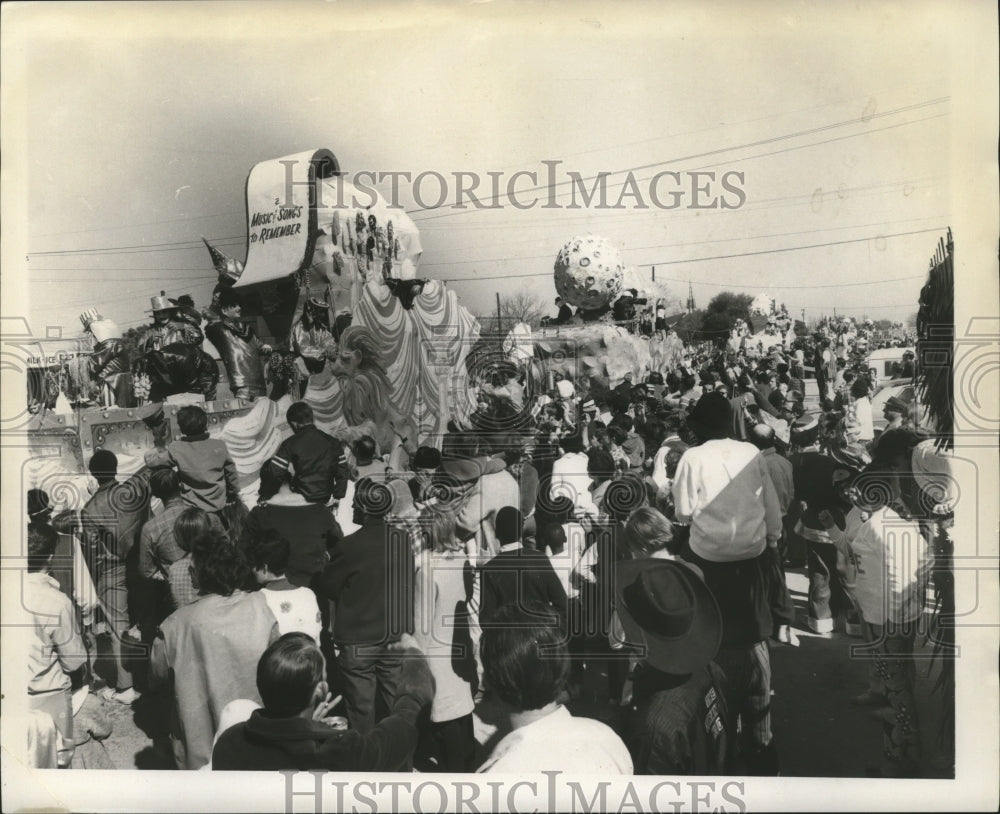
(360, 369)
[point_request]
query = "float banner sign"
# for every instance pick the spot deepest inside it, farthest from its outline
(281, 214)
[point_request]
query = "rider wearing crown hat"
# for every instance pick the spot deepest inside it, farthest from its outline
(109, 360)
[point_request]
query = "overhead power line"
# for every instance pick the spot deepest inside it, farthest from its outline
(139, 248)
(716, 257)
(706, 154)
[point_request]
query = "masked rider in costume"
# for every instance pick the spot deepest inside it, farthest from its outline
(109, 362)
(241, 350)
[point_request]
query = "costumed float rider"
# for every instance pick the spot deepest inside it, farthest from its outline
(565, 312)
(241, 350)
(170, 327)
(109, 361)
(172, 352)
(313, 337)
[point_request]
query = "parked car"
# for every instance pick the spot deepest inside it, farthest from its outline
(884, 364)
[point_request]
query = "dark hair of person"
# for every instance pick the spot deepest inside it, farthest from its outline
(272, 478)
(617, 434)
(509, 525)
(859, 389)
(653, 432)
(551, 535)
(103, 465)
(623, 420)
(287, 674)
(619, 403)
(512, 456)
(299, 413)
(219, 568)
(39, 508)
(572, 442)
(42, 539)
(191, 525)
(192, 420)
(164, 484)
(270, 551)
(364, 449)
(600, 464)
(427, 458)
(525, 658)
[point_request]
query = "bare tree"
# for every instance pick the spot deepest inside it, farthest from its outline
(519, 306)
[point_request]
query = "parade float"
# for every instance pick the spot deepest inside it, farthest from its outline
(330, 284)
(597, 345)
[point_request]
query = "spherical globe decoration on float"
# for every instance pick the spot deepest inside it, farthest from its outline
(589, 272)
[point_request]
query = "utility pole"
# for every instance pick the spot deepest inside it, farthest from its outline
(499, 318)
(654, 274)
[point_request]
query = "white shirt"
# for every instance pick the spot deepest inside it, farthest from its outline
(660, 462)
(570, 479)
(723, 489)
(561, 742)
(860, 423)
(893, 563)
(295, 610)
(575, 558)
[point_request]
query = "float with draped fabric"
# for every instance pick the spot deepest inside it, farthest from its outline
(330, 281)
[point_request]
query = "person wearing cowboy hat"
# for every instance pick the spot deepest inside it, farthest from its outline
(169, 327)
(678, 721)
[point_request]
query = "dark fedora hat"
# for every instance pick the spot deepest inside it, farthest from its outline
(896, 405)
(665, 607)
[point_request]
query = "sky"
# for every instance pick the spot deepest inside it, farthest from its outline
(143, 121)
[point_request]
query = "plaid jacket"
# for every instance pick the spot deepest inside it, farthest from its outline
(157, 545)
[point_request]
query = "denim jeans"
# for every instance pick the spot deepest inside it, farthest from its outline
(113, 592)
(367, 670)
